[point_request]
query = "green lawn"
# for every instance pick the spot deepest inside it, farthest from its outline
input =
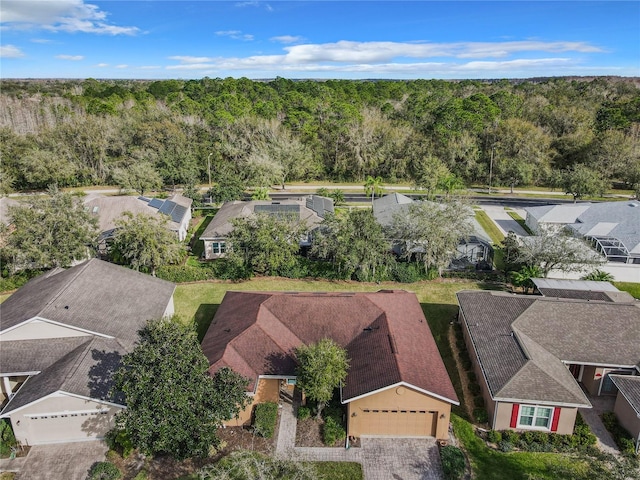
(490, 464)
(339, 470)
(520, 221)
(489, 226)
(632, 288)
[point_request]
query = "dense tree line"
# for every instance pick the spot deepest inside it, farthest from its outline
(76, 133)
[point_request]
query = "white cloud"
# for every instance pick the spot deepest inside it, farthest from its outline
(150, 67)
(122, 65)
(102, 65)
(455, 60)
(235, 34)
(74, 58)
(287, 39)
(266, 6)
(41, 40)
(188, 59)
(59, 16)
(10, 51)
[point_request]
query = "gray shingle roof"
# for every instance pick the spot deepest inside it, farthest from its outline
(522, 342)
(221, 226)
(620, 220)
(629, 387)
(87, 370)
(580, 289)
(95, 296)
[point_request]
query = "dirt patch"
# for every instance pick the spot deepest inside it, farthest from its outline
(309, 434)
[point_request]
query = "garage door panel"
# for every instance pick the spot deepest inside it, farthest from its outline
(68, 427)
(399, 422)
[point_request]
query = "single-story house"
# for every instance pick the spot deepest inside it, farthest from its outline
(397, 384)
(538, 358)
(62, 336)
(309, 211)
(627, 406)
(475, 250)
(612, 228)
(109, 209)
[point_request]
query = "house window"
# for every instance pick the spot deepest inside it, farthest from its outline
(218, 248)
(535, 417)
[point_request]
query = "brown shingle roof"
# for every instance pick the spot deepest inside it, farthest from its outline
(385, 334)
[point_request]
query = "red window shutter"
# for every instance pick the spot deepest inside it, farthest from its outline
(556, 419)
(514, 415)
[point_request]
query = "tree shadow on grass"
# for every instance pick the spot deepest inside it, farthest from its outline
(203, 317)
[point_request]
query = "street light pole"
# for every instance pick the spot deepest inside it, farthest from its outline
(209, 168)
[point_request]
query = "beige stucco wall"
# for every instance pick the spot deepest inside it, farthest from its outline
(503, 418)
(207, 249)
(268, 391)
(38, 329)
(397, 398)
(591, 378)
(68, 419)
(627, 416)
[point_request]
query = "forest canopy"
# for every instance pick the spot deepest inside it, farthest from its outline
(509, 133)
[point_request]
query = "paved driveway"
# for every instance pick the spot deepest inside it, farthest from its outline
(68, 461)
(401, 459)
(503, 221)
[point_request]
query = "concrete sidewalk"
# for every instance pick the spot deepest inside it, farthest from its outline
(591, 417)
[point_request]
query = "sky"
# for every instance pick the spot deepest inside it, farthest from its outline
(325, 39)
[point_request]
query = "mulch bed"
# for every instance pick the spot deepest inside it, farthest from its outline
(309, 434)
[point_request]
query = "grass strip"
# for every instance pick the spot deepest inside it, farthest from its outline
(520, 221)
(630, 287)
(489, 226)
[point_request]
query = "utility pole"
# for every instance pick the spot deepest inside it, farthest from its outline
(209, 169)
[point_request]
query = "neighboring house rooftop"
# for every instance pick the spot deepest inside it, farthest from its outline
(95, 297)
(106, 305)
(310, 211)
(109, 209)
(385, 334)
(580, 289)
(522, 342)
(606, 220)
(385, 208)
(629, 387)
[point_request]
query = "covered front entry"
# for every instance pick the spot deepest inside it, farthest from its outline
(407, 423)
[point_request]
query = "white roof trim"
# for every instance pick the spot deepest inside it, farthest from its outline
(542, 402)
(19, 374)
(53, 394)
(403, 384)
(59, 324)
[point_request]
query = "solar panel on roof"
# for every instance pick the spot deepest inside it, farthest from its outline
(279, 210)
(156, 203)
(167, 207)
(178, 213)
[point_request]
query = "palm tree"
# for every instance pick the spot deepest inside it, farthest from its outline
(373, 186)
(522, 278)
(599, 276)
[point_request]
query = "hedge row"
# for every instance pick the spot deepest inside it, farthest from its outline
(265, 418)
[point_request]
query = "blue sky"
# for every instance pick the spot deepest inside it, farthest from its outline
(326, 39)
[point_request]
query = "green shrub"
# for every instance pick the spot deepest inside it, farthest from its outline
(119, 441)
(494, 436)
(104, 471)
(481, 415)
(478, 401)
(584, 436)
(505, 446)
(474, 388)
(511, 436)
(7, 438)
(13, 282)
(185, 273)
(142, 475)
(453, 462)
(620, 435)
(332, 431)
(266, 416)
(304, 413)
(472, 378)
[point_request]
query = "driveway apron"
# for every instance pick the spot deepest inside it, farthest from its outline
(68, 461)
